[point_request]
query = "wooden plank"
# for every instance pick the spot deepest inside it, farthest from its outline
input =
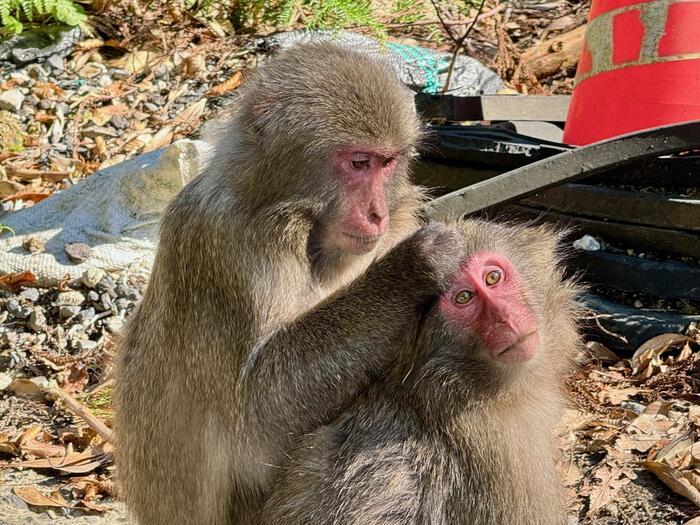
(494, 107)
(566, 167)
(642, 238)
(665, 211)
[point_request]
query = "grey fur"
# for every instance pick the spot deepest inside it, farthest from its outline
(448, 436)
(254, 329)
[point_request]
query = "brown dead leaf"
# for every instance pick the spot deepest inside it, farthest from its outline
(616, 396)
(601, 353)
(191, 113)
(12, 280)
(135, 61)
(227, 85)
(675, 480)
(163, 137)
(7, 446)
(29, 196)
(41, 449)
(75, 462)
(48, 90)
(30, 495)
(76, 380)
(612, 479)
(647, 359)
(25, 387)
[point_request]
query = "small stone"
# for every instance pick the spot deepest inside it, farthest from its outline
(93, 296)
(56, 62)
(87, 345)
(20, 78)
(104, 81)
(31, 294)
(638, 304)
(587, 243)
(122, 304)
(8, 339)
(106, 284)
(66, 312)
(33, 244)
(633, 406)
(119, 74)
(40, 381)
(36, 72)
(85, 316)
(5, 380)
(37, 320)
(46, 104)
(105, 302)
(78, 252)
(11, 100)
(91, 70)
(92, 276)
(114, 323)
(16, 310)
(70, 298)
(123, 290)
(118, 122)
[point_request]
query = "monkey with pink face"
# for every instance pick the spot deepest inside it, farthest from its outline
(459, 430)
(284, 276)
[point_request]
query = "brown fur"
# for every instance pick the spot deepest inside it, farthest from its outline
(449, 436)
(250, 332)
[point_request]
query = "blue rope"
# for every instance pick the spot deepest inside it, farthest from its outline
(426, 61)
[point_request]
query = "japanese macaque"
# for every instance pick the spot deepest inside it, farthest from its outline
(459, 430)
(284, 276)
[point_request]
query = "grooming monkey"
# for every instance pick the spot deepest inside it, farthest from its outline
(459, 430)
(283, 276)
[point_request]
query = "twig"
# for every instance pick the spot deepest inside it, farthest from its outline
(79, 410)
(458, 41)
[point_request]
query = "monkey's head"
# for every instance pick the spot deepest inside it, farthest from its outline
(508, 315)
(335, 128)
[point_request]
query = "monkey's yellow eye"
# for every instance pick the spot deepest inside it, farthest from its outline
(492, 277)
(463, 297)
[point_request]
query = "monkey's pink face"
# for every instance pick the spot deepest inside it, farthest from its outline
(364, 215)
(486, 299)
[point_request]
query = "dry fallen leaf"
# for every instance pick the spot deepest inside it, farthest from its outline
(11, 280)
(675, 480)
(163, 137)
(32, 496)
(612, 479)
(75, 462)
(227, 85)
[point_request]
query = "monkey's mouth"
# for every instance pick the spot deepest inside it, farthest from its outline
(523, 349)
(365, 240)
(362, 243)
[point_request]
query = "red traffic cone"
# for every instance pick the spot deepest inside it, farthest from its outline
(639, 68)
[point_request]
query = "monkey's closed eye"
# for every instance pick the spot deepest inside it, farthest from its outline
(492, 277)
(360, 161)
(464, 296)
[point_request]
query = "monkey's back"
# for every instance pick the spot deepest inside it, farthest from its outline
(380, 463)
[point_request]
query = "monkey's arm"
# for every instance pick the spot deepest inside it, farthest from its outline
(310, 368)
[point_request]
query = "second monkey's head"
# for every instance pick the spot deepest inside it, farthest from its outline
(334, 128)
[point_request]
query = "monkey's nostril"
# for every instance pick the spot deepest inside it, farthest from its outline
(375, 218)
